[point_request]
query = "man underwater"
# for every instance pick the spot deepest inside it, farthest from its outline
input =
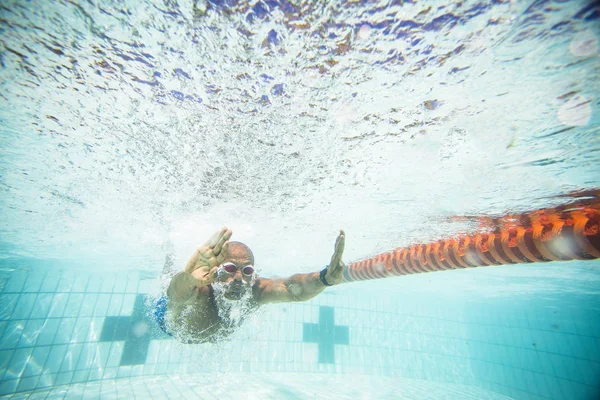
(220, 277)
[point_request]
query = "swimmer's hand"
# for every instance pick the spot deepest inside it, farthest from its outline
(203, 265)
(334, 276)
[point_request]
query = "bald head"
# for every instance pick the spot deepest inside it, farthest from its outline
(238, 250)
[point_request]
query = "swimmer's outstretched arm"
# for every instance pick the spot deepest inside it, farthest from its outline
(302, 287)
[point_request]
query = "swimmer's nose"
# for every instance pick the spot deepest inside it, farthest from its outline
(236, 282)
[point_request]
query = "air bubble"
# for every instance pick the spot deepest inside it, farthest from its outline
(344, 114)
(140, 329)
(575, 112)
(584, 44)
(364, 32)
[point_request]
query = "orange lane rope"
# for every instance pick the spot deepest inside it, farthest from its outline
(563, 233)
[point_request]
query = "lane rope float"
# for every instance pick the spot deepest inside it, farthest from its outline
(563, 233)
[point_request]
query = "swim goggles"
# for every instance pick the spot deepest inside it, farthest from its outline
(231, 268)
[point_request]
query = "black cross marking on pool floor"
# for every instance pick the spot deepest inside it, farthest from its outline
(326, 334)
(136, 330)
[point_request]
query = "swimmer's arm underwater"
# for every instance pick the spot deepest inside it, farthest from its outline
(302, 287)
(181, 288)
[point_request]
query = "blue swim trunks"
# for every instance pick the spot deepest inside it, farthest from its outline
(160, 310)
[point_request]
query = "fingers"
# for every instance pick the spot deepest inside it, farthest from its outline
(223, 253)
(214, 239)
(212, 275)
(223, 238)
(340, 243)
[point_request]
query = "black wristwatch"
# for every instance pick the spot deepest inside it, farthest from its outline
(322, 276)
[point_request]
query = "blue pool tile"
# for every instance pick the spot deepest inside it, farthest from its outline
(571, 369)
(12, 334)
(149, 369)
(16, 281)
(114, 307)
(95, 374)
(71, 357)
(594, 327)
(569, 389)
(94, 284)
(120, 284)
(80, 284)
(102, 353)
(42, 305)
(107, 285)
(5, 357)
(7, 305)
(31, 332)
(8, 386)
(561, 344)
(559, 364)
(95, 329)
(593, 346)
(147, 286)
(132, 285)
(586, 346)
(80, 332)
(86, 357)
(81, 376)
(55, 358)
(554, 388)
(57, 394)
(115, 328)
(46, 380)
(50, 283)
(124, 371)
(24, 306)
(541, 384)
(17, 363)
(3, 325)
(522, 360)
(114, 357)
(326, 334)
(73, 305)
(48, 332)
(57, 307)
(576, 347)
(65, 330)
(64, 378)
(33, 283)
(65, 284)
(88, 305)
(519, 379)
(582, 328)
(532, 361)
(28, 383)
(161, 369)
(128, 304)
(135, 352)
(546, 363)
(102, 304)
(38, 359)
(514, 356)
(110, 372)
(589, 373)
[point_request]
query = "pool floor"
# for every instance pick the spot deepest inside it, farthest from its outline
(263, 386)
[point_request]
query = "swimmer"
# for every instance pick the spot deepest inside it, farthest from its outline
(220, 279)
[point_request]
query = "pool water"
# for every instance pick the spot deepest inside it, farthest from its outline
(131, 131)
